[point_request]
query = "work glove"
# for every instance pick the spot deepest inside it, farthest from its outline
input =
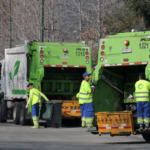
(26, 105)
(93, 87)
(49, 101)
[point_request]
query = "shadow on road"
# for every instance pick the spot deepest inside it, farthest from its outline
(66, 123)
(132, 142)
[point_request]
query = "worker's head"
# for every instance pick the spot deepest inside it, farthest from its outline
(86, 76)
(142, 76)
(30, 86)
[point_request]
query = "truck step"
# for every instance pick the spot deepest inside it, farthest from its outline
(138, 131)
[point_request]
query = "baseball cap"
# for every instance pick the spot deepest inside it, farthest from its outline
(86, 74)
(30, 84)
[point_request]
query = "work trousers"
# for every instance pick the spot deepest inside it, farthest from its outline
(143, 112)
(87, 114)
(35, 114)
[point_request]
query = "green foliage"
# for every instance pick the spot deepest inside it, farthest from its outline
(141, 8)
(119, 20)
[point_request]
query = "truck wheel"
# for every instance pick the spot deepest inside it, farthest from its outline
(16, 112)
(3, 108)
(56, 125)
(22, 119)
(146, 137)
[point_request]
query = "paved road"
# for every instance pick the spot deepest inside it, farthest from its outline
(16, 137)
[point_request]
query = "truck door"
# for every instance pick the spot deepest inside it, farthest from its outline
(16, 72)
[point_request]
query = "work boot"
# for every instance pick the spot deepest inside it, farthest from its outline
(141, 127)
(83, 126)
(35, 127)
(91, 128)
(147, 127)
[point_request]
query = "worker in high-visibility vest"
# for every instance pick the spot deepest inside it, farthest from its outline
(86, 102)
(35, 101)
(142, 88)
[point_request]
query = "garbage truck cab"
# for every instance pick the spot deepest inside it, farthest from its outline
(121, 58)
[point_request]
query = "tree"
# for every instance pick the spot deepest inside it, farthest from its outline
(120, 19)
(141, 8)
(67, 20)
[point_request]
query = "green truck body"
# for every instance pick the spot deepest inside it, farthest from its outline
(55, 69)
(121, 58)
(55, 72)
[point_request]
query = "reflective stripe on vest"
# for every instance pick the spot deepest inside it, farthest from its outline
(85, 98)
(142, 97)
(141, 92)
(84, 93)
(37, 96)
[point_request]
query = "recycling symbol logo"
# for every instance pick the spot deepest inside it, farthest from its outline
(140, 86)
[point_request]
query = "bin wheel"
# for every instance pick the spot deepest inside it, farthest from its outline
(56, 125)
(16, 112)
(94, 133)
(22, 119)
(45, 125)
(146, 137)
(3, 111)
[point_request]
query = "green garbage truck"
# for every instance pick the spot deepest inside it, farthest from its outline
(121, 58)
(54, 68)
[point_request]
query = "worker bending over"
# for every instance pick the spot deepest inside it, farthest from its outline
(86, 102)
(35, 100)
(142, 88)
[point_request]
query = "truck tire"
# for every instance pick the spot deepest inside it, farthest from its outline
(56, 125)
(16, 112)
(22, 119)
(3, 112)
(146, 137)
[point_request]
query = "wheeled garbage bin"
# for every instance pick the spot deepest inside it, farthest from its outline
(51, 112)
(46, 111)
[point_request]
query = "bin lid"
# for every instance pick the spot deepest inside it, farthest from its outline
(56, 102)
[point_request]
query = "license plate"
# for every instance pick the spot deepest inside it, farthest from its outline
(64, 56)
(127, 50)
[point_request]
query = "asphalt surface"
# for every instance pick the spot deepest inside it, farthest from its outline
(16, 137)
